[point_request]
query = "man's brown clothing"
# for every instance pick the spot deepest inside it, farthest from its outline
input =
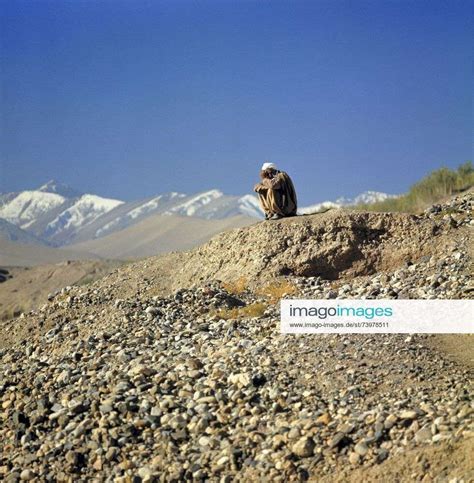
(277, 195)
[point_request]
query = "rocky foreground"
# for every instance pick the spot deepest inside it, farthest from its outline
(111, 382)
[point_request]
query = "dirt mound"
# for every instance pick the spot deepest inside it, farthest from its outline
(333, 245)
(338, 245)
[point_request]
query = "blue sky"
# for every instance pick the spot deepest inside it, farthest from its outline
(132, 98)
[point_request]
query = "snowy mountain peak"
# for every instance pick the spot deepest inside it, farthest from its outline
(99, 203)
(53, 186)
(371, 197)
(367, 197)
(137, 212)
(84, 211)
(191, 206)
(25, 208)
(249, 205)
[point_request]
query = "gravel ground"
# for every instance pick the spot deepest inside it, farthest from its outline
(114, 382)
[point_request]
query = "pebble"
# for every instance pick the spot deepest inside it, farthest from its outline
(354, 458)
(423, 434)
(304, 447)
(408, 415)
(27, 475)
(361, 448)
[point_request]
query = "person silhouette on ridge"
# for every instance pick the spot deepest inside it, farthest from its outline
(276, 193)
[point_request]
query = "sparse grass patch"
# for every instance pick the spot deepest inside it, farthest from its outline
(252, 310)
(236, 287)
(277, 290)
(431, 189)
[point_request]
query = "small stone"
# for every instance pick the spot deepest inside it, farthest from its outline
(336, 440)
(145, 472)
(27, 475)
(423, 435)
(390, 421)
(324, 419)
(240, 379)
(126, 465)
(354, 458)
(156, 411)
(111, 453)
(141, 369)
(222, 461)
(408, 415)
(382, 455)
(7, 404)
(151, 312)
(304, 447)
(204, 441)
(361, 448)
(294, 433)
(347, 428)
(259, 379)
(105, 408)
(56, 407)
(72, 457)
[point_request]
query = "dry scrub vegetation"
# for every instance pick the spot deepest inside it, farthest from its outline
(275, 291)
(272, 292)
(252, 310)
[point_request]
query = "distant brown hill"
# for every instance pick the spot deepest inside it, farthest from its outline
(13, 254)
(28, 287)
(159, 234)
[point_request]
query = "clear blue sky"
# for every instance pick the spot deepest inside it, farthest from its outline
(131, 98)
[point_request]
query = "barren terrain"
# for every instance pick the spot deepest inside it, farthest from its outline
(173, 368)
(28, 287)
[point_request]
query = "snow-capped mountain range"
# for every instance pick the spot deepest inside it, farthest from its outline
(367, 198)
(59, 215)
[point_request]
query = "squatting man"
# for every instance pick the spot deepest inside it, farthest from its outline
(276, 193)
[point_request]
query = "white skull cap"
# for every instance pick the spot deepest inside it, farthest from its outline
(268, 166)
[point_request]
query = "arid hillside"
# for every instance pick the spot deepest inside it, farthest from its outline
(13, 254)
(27, 288)
(159, 234)
(174, 369)
(336, 246)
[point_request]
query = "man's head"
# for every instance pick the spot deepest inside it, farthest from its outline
(268, 170)
(266, 166)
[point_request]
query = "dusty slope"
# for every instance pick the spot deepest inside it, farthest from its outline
(331, 245)
(28, 287)
(336, 245)
(111, 381)
(159, 234)
(23, 255)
